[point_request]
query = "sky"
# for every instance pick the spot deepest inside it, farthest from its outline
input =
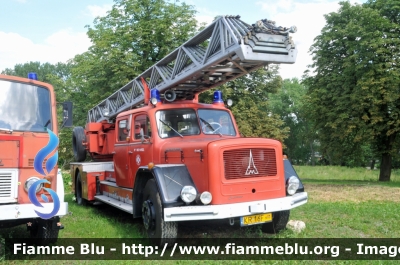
(55, 31)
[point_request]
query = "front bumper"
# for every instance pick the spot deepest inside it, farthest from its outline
(26, 211)
(212, 212)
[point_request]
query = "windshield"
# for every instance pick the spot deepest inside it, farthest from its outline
(24, 107)
(183, 122)
(216, 122)
(177, 123)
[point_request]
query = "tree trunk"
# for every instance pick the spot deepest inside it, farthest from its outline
(386, 163)
(386, 167)
(312, 155)
(372, 165)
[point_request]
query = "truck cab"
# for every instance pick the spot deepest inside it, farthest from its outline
(31, 186)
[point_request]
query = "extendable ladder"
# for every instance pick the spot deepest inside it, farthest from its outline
(225, 50)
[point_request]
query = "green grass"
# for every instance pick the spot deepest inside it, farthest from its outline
(348, 220)
(344, 175)
(343, 203)
(99, 221)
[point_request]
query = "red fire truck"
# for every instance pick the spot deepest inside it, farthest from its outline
(27, 114)
(161, 155)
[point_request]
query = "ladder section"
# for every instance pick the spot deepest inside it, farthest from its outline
(225, 50)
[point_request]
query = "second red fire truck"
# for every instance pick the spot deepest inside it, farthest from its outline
(161, 155)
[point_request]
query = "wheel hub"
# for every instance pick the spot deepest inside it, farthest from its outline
(148, 215)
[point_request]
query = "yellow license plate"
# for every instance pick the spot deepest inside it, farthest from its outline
(255, 219)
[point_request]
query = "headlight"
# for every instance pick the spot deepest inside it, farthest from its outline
(188, 194)
(205, 198)
(293, 185)
(30, 181)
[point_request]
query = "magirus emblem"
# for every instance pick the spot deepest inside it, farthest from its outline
(251, 168)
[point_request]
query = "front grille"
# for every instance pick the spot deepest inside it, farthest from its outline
(5, 185)
(249, 163)
(8, 185)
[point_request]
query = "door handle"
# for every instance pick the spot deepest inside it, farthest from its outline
(201, 153)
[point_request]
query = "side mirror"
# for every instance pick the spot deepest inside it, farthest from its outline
(143, 137)
(67, 114)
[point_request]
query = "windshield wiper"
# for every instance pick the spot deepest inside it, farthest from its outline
(4, 130)
(210, 126)
(47, 123)
(171, 127)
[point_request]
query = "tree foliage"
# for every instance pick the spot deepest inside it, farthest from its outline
(354, 94)
(133, 36)
(288, 104)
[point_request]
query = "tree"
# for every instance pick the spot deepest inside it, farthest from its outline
(250, 103)
(288, 104)
(46, 72)
(354, 92)
(133, 36)
(388, 8)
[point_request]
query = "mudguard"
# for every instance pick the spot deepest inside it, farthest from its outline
(289, 171)
(170, 181)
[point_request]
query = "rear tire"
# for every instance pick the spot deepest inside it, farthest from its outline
(78, 136)
(78, 190)
(279, 222)
(152, 214)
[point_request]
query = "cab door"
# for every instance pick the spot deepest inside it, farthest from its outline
(121, 156)
(140, 150)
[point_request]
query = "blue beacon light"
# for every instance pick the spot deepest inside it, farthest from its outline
(154, 97)
(154, 93)
(32, 76)
(218, 97)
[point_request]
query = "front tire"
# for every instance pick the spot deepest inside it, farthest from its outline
(279, 222)
(152, 214)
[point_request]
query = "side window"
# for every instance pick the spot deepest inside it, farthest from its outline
(142, 122)
(123, 130)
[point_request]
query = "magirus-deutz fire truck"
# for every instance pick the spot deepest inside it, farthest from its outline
(31, 186)
(160, 155)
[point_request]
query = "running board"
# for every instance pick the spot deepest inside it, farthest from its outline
(126, 207)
